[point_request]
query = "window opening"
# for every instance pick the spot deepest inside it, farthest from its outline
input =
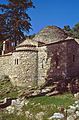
(43, 63)
(16, 61)
(57, 62)
(73, 58)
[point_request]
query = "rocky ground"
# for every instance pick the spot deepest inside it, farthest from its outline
(71, 113)
(38, 104)
(38, 108)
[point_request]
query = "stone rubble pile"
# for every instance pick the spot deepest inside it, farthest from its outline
(11, 105)
(57, 87)
(48, 91)
(16, 105)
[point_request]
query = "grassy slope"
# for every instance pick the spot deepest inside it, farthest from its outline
(45, 104)
(49, 105)
(7, 89)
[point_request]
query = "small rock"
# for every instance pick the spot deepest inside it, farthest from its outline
(72, 107)
(43, 91)
(72, 117)
(76, 95)
(57, 116)
(77, 113)
(39, 116)
(10, 109)
(77, 107)
(31, 117)
(27, 113)
(70, 111)
(26, 102)
(77, 102)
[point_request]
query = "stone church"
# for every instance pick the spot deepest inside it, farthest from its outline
(50, 55)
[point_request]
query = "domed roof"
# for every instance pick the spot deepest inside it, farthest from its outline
(27, 44)
(50, 34)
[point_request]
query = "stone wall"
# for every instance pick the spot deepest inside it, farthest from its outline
(52, 62)
(5, 65)
(64, 59)
(58, 66)
(24, 72)
(43, 64)
(72, 59)
(21, 67)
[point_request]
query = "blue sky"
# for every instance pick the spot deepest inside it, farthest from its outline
(53, 12)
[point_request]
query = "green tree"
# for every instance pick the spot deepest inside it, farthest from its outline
(67, 28)
(73, 32)
(14, 20)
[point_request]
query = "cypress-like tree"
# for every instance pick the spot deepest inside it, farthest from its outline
(14, 20)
